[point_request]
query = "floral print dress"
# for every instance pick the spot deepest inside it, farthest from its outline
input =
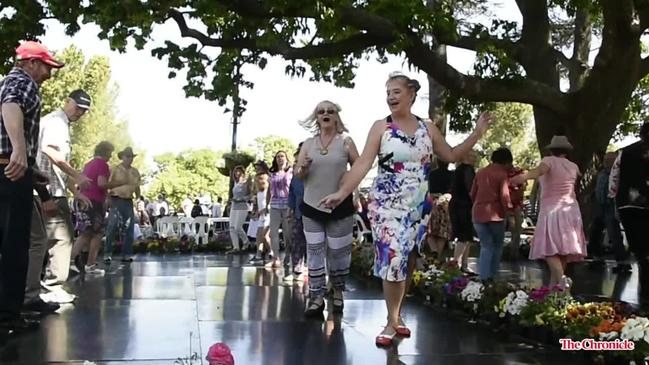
(399, 202)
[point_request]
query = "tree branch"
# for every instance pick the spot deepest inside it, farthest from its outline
(581, 49)
(346, 46)
(513, 49)
(479, 89)
(375, 30)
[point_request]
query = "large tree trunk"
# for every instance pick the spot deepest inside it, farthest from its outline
(593, 117)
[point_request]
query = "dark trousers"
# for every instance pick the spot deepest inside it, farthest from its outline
(636, 228)
(16, 200)
(121, 216)
(606, 220)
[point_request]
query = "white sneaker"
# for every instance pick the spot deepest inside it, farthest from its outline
(58, 297)
(94, 270)
(288, 278)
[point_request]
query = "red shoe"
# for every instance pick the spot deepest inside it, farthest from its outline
(385, 339)
(402, 330)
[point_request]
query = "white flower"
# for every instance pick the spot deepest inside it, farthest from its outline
(515, 302)
(432, 273)
(608, 336)
(472, 292)
(636, 329)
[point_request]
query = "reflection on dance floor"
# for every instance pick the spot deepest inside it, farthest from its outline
(163, 308)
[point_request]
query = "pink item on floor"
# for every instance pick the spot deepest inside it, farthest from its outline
(220, 354)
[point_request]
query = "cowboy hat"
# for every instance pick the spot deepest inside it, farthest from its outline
(128, 151)
(560, 142)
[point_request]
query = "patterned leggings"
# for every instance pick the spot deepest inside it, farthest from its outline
(298, 250)
(329, 242)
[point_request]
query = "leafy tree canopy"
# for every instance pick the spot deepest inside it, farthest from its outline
(513, 128)
(578, 62)
(268, 146)
(191, 172)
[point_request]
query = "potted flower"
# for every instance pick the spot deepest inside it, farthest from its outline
(471, 296)
(582, 317)
(510, 307)
(545, 312)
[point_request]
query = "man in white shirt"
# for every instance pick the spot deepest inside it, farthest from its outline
(187, 206)
(54, 159)
(217, 208)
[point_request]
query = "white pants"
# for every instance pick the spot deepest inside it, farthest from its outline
(237, 219)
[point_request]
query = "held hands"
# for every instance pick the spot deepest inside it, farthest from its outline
(17, 165)
(306, 164)
(82, 181)
(518, 180)
(483, 123)
(331, 201)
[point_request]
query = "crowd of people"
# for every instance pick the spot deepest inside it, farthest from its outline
(308, 204)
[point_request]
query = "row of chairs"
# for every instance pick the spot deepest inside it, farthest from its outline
(198, 227)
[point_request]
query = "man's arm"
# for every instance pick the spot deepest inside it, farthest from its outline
(138, 192)
(13, 119)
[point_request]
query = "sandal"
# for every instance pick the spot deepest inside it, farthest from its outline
(402, 330)
(338, 301)
(385, 339)
(315, 309)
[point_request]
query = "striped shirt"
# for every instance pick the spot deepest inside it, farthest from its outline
(19, 88)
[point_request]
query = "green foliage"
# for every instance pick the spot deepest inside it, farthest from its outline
(100, 123)
(191, 172)
(325, 40)
(268, 146)
(513, 128)
(637, 112)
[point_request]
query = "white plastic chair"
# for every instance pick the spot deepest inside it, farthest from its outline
(186, 226)
(200, 228)
(361, 233)
(168, 227)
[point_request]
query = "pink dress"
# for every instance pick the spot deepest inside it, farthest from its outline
(559, 229)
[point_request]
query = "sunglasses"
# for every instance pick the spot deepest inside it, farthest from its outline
(327, 111)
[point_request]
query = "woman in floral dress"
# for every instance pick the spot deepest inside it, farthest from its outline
(404, 145)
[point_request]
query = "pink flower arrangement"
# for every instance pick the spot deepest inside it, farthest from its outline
(539, 294)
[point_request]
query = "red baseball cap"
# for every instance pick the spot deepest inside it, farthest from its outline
(33, 50)
(220, 354)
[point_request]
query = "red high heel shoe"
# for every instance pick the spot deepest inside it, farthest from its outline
(402, 330)
(385, 339)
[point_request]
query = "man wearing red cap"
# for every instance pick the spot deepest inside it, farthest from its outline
(20, 104)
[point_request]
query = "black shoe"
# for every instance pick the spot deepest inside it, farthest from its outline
(19, 325)
(622, 269)
(314, 310)
(41, 307)
(127, 260)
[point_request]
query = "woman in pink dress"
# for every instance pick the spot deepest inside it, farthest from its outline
(559, 236)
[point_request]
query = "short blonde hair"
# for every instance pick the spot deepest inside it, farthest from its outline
(311, 122)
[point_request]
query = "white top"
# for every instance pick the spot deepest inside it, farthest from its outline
(54, 132)
(217, 210)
